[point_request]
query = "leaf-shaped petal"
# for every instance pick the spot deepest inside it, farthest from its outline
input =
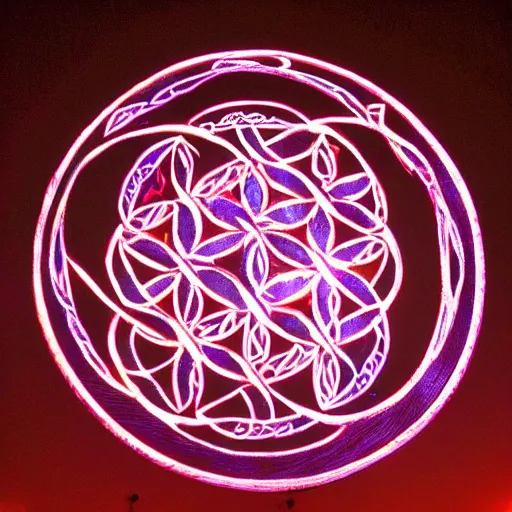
(356, 215)
(128, 288)
(184, 380)
(288, 181)
(321, 230)
(288, 249)
(221, 286)
(159, 286)
(219, 246)
(327, 379)
(351, 187)
(218, 181)
(225, 212)
(289, 214)
(224, 361)
(188, 301)
(293, 325)
(180, 87)
(327, 301)
(254, 192)
(151, 252)
(356, 287)
(323, 160)
(220, 325)
(255, 264)
(182, 165)
(288, 287)
(359, 251)
(256, 342)
(186, 230)
(154, 323)
(359, 323)
(124, 115)
(253, 143)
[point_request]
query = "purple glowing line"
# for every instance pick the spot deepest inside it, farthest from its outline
(262, 232)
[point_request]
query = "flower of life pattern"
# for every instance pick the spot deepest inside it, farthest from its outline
(259, 272)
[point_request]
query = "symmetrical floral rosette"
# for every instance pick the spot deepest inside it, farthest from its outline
(251, 282)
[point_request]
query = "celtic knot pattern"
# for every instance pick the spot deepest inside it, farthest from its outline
(281, 224)
(248, 276)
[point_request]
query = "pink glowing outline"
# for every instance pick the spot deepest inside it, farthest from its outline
(283, 483)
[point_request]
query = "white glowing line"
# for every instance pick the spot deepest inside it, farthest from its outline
(286, 59)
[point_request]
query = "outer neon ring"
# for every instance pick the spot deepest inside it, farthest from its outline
(280, 484)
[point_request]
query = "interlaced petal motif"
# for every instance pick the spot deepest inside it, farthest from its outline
(303, 303)
(250, 272)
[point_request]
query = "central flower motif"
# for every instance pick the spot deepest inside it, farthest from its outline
(279, 212)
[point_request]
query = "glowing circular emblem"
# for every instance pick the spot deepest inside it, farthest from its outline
(229, 319)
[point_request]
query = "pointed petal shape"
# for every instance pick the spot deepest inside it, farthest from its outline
(159, 286)
(188, 301)
(288, 249)
(288, 181)
(255, 265)
(185, 230)
(289, 214)
(182, 165)
(356, 287)
(219, 246)
(288, 287)
(151, 252)
(359, 251)
(254, 192)
(294, 144)
(326, 301)
(224, 361)
(323, 161)
(294, 325)
(359, 323)
(150, 216)
(327, 379)
(351, 187)
(321, 231)
(184, 380)
(221, 286)
(356, 215)
(225, 213)
(124, 115)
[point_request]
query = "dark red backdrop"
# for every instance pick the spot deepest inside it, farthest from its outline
(64, 63)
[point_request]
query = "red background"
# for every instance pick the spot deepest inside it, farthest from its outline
(449, 63)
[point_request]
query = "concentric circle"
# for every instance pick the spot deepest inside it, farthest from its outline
(248, 272)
